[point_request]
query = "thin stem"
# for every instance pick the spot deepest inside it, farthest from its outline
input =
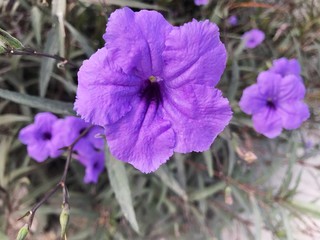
(30, 52)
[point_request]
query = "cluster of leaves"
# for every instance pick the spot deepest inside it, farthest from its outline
(244, 180)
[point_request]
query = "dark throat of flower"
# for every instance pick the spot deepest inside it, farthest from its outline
(270, 104)
(46, 136)
(151, 91)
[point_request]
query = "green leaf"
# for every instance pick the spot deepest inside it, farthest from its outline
(166, 177)
(84, 43)
(206, 192)
(256, 217)
(59, 10)
(36, 20)
(51, 47)
(128, 3)
(8, 42)
(44, 104)
(120, 185)
(12, 118)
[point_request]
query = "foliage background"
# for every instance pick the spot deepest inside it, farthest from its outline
(244, 187)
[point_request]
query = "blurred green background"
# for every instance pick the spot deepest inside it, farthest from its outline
(245, 187)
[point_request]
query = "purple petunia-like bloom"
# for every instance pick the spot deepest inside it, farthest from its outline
(275, 103)
(201, 2)
(152, 87)
(41, 137)
(253, 38)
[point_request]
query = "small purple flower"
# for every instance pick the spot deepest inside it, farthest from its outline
(88, 150)
(73, 127)
(201, 2)
(41, 137)
(152, 87)
(275, 103)
(253, 38)
(94, 161)
(232, 20)
(284, 67)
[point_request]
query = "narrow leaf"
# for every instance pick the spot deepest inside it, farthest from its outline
(47, 64)
(8, 42)
(38, 102)
(36, 23)
(120, 185)
(207, 192)
(167, 178)
(12, 118)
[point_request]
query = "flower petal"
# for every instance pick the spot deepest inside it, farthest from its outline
(197, 116)
(293, 114)
(136, 40)
(38, 152)
(252, 101)
(142, 138)
(269, 85)
(104, 93)
(27, 134)
(194, 54)
(284, 66)
(267, 122)
(291, 88)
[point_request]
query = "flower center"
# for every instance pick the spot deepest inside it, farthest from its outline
(46, 136)
(151, 91)
(270, 104)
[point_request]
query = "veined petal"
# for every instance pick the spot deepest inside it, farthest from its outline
(269, 85)
(211, 113)
(293, 114)
(267, 122)
(252, 101)
(136, 41)
(142, 138)
(284, 67)
(194, 54)
(104, 93)
(291, 88)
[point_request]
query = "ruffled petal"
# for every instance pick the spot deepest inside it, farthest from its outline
(194, 54)
(252, 101)
(136, 40)
(104, 93)
(293, 114)
(291, 88)
(197, 114)
(142, 138)
(268, 122)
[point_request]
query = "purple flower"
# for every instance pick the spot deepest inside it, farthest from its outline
(152, 87)
(253, 38)
(41, 137)
(284, 67)
(88, 150)
(201, 2)
(73, 127)
(93, 160)
(275, 103)
(232, 20)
